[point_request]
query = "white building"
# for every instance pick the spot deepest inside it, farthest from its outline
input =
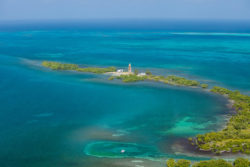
(142, 74)
(120, 70)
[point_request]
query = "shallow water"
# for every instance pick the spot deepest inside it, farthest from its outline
(51, 118)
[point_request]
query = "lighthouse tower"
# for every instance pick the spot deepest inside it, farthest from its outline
(129, 68)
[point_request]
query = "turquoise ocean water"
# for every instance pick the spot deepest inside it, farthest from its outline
(52, 118)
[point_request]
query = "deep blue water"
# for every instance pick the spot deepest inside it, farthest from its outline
(51, 118)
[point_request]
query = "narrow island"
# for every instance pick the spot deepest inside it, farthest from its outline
(128, 76)
(234, 138)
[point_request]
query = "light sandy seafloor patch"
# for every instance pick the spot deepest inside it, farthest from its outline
(190, 128)
(118, 150)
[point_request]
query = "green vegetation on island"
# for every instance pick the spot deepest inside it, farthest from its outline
(213, 163)
(171, 80)
(136, 72)
(180, 163)
(171, 162)
(236, 136)
(59, 66)
(148, 72)
(111, 78)
(239, 162)
(131, 78)
(74, 67)
(204, 86)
